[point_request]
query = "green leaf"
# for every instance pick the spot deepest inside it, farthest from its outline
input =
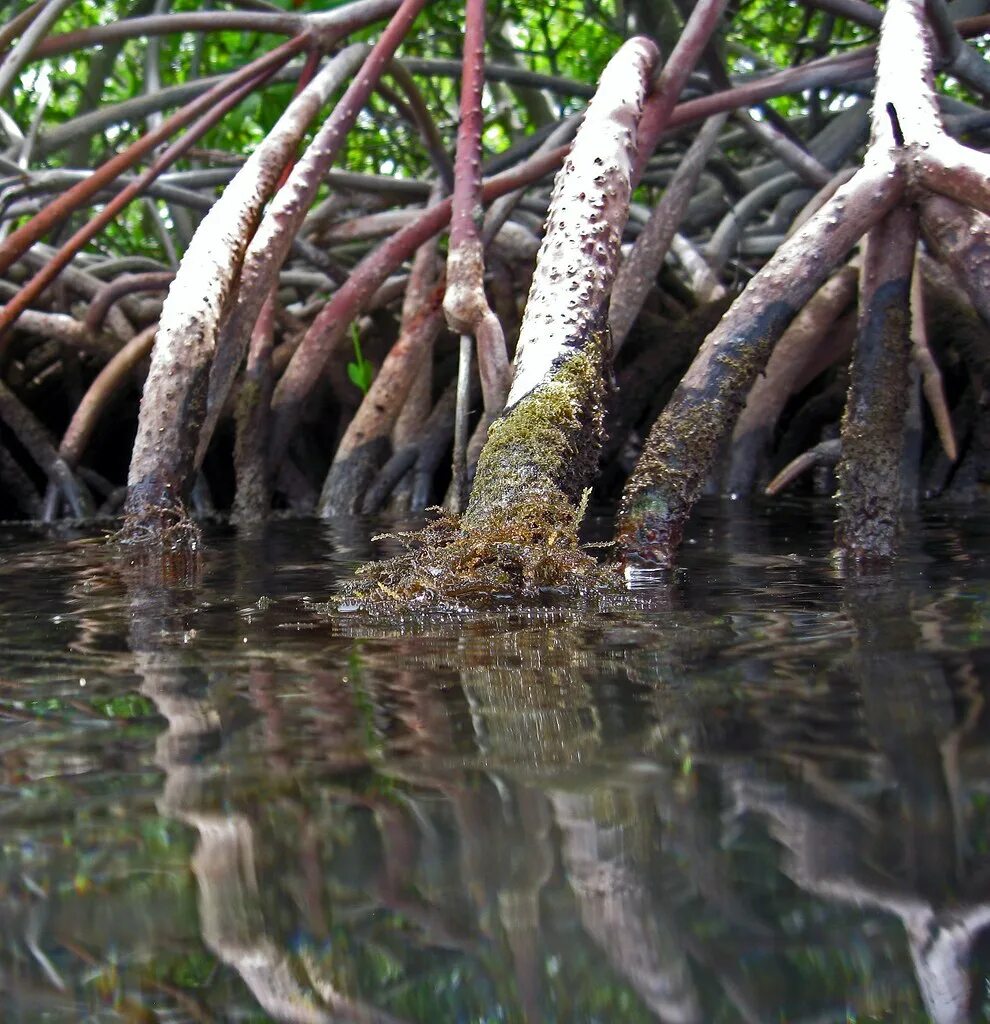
(361, 374)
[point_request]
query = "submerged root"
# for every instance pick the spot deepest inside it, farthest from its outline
(518, 554)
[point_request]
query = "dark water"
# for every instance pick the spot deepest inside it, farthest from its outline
(760, 793)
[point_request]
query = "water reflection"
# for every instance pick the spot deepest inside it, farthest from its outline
(901, 848)
(759, 794)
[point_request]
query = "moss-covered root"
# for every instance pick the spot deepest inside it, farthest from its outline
(869, 495)
(549, 441)
(521, 553)
(684, 442)
(682, 445)
(519, 536)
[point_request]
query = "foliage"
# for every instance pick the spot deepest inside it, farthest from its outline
(360, 371)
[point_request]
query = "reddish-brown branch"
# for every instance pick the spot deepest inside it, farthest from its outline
(676, 69)
(855, 10)
(330, 325)
(25, 236)
(828, 71)
(116, 289)
(357, 456)
(67, 330)
(273, 239)
(327, 27)
(423, 119)
(51, 268)
(465, 304)
(967, 64)
(811, 171)
(106, 384)
(17, 24)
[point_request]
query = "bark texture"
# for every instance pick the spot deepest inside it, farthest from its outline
(909, 154)
(173, 406)
(873, 427)
(684, 442)
(549, 437)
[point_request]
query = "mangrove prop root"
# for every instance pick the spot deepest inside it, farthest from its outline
(684, 441)
(270, 245)
(106, 385)
(873, 427)
(908, 147)
(826, 453)
(174, 403)
(353, 464)
(640, 268)
(252, 496)
(465, 304)
(961, 239)
(770, 393)
(519, 533)
(310, 255)
(931, 375)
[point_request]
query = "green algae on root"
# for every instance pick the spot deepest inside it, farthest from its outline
(521, 553)
(548, 441)
(518, 539)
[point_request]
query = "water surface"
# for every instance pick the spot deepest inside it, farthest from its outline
(758, 792)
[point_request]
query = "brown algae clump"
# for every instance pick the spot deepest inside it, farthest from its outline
(161, 526)
(520, 553)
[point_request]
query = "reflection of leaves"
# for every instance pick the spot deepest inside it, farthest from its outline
(194, 970)
(128, 705)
